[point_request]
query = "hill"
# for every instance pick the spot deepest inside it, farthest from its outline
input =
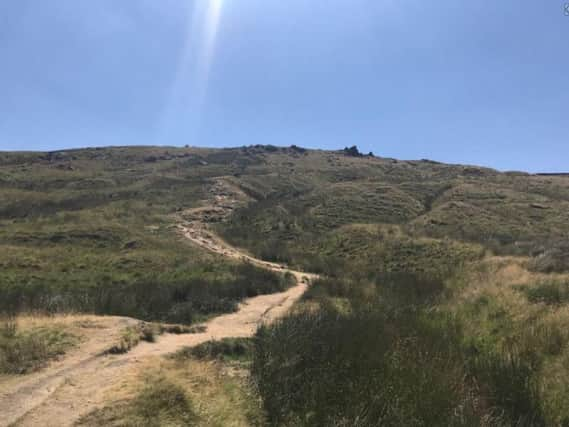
(443, 292)
(106, 215)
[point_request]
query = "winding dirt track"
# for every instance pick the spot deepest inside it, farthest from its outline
(66, 390)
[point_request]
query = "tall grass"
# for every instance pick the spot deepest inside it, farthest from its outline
(23, 351)
(166, 297)
(391, 359)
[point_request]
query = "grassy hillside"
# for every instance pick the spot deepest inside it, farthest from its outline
(444, 303)
(94, 230)
(118, 197)
(303, 199)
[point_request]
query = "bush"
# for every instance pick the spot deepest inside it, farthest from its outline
(367, 368)
(389, 360)
(552, 293)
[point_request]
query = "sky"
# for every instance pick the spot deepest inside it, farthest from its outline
(482, 82)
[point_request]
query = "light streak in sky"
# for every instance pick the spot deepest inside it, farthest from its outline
(189, 89)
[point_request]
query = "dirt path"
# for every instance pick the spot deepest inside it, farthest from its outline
(20, 394)
(74, 386)
(206, 239)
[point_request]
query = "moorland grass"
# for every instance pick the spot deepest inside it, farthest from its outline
(415, 325)
(549, 292)
(23, 350)
(91, 231)
(389, 360)
(181, 391)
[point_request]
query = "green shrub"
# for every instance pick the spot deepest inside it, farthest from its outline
(390, 360)
(366, 368)
(552, 293)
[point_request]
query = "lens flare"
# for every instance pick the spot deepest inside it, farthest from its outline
(207, 38)
(188, 91)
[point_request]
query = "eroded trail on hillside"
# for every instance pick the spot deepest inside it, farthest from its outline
(72, 387)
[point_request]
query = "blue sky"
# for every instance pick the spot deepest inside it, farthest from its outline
(481, 82)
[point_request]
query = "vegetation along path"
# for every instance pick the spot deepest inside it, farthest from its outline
(66, 390)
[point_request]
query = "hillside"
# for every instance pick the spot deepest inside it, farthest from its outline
(297, 194)
(425, 195)
(448, 282)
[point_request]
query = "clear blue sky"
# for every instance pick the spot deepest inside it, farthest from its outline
(480, 82)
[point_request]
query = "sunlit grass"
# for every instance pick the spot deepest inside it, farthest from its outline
(179, 392)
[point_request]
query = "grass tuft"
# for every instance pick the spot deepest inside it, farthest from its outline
(160, 402)
(228, 349)
(26, 350)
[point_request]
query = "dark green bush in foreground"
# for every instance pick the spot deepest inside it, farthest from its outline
(387, 363)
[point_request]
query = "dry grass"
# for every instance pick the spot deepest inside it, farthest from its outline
(75, 323)
(502, 280)
(492, 297)
(214, 397)
(145, 331)
(29, 342)
(129, 338)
